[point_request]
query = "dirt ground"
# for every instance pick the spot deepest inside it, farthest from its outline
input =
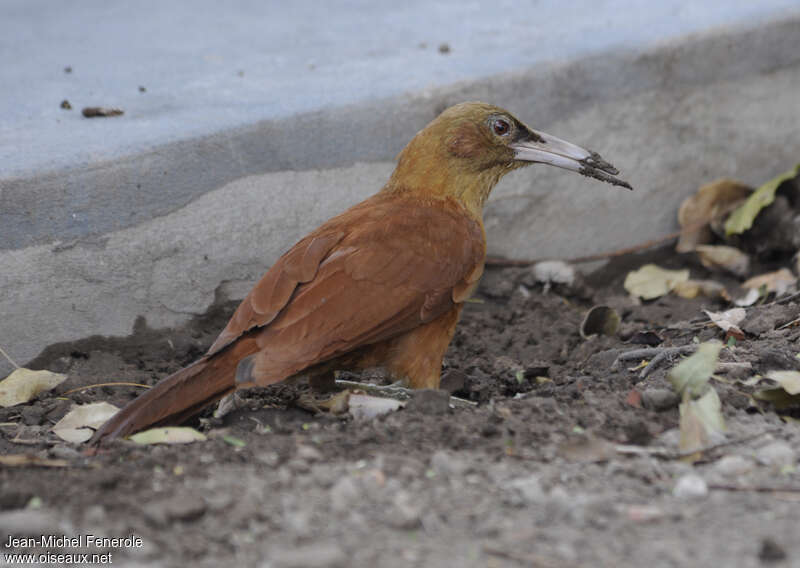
(530, 476)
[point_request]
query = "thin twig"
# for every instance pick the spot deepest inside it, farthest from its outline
(7, 356)
(789, 324)
(665, 354)
(754, 488)
(657, 353)
(668, 453)
(785, 299)
(87, 387)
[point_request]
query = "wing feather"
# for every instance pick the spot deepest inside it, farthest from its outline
(380, 269)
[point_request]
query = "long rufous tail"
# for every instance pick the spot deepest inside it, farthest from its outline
(179, 396)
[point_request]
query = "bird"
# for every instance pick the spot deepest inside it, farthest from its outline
(381, 284)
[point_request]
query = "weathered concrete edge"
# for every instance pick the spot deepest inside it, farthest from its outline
(93, 199)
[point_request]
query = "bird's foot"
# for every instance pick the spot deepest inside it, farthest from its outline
(395, 390)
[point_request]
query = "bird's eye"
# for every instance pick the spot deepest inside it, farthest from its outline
(501, 127)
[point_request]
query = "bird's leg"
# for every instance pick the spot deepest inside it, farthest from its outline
(397, 390)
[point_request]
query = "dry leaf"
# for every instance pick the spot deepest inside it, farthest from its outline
(778, 397)
(168, 435)
(729, 320)
(694, 288)
(600, 320)
(788, 380)
(779, 281)
(652, 281)
(23, 384)
(742, 218)
(725, 258)
(748, 299)
(80, 423)
(366, 406)
(692, 374)
(701, 421)
(23, 460)
(711, 202)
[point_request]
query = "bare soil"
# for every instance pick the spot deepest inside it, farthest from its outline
(531, 476)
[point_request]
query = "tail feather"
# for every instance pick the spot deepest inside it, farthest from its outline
(177, 397)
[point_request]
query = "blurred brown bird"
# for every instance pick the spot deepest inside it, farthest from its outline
(380, 285)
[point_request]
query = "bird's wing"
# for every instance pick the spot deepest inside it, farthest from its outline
(382, 268)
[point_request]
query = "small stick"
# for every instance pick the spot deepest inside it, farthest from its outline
(754, 488)
(668, 453)
(789, 324)
(666, 353)
(7, 356)
(87, 387)
(658, 354)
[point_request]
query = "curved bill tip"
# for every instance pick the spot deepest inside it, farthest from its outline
(547, 149)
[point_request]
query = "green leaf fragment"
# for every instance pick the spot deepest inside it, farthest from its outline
(742, 218)
(693, 373)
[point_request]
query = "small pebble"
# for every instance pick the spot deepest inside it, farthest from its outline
(446, 463)
(771, 551)
(690, 486)
(730, 466)
(524, 491)
(429, 401)
(660, 399)
(776, 454)
(314, 555)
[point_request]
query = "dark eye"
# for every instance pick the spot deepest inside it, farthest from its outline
(501, 127)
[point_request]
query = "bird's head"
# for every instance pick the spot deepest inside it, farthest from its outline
(470, 146)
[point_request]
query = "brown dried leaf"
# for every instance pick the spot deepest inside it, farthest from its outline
(651, 281)
(23, 460)
(79, 424)
(23, 384)
(779, 281)
(694, 288)
(711, 202)
(725, 258)
(729, 320)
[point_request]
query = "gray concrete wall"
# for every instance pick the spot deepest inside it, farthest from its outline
(204, 182)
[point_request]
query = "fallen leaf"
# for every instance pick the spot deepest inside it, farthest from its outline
(366, 406)
(694, 288)
(169, 435)
(778, 281)
(23, 384)
(652, 281)
(788, 380)
(232, 440)
(712, 201)
(749, 299)
(600, 320)
(725, 258)
(23, 460)
(701, 422)
(79, 424)
(742, 218)
(728, 321)
(778, 397)
(693, 373)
